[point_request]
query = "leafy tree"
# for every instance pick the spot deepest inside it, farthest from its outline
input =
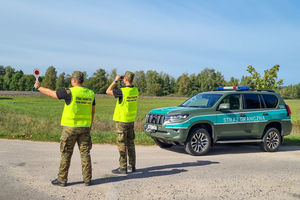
(139, 81)
(2, 71)
(14, 84)
(193, 87)
(98, 82)
(50, 78)
(269, 79)
(246, 81)
(152, 77)
(1, 82)
(173, 86)
(151, 82)
(233, 82)
(287, 92)
(297, 93)
(112, 75)
(156, 89)
(9, 71)
(60, 82)
(30, 80)
(22, 83)
(209, 80)
(26, 82)
(166, 85)
(183, 85)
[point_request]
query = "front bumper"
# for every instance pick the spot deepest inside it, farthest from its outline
(167, 134)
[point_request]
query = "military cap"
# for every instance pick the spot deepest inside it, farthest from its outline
(78, 75)
(129, 75)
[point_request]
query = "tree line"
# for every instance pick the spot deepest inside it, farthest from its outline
(151, 82)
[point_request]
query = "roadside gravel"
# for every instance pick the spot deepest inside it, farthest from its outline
(228, 172)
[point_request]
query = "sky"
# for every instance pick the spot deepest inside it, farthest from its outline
(170, 36)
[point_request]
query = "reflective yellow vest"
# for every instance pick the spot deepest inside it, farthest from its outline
(126, 110)
(79, 112)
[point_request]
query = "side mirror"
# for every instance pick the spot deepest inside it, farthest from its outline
(224, 106)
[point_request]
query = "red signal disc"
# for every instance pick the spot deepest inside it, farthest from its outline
(36, 72)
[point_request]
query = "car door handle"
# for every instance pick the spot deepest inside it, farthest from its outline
(265, 114)
(242, 115)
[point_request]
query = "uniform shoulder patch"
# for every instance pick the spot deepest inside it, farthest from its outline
(68, 91)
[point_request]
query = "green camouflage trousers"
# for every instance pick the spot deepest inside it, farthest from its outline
(125, 139)
(71, 135)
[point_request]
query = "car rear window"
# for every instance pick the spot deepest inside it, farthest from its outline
(251, 101)
(270, 100)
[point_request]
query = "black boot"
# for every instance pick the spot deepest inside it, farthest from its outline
(119, 171)
(58, 183)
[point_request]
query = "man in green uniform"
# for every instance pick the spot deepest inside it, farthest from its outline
(76, 120)
(124, 115)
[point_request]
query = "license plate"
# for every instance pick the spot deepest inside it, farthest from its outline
(151, 127)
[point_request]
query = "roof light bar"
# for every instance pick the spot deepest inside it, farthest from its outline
(234, 88)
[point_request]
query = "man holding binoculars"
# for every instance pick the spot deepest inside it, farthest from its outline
(124, 115)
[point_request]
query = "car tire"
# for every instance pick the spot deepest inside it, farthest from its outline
(198, 142)
(271, 140)
(162, 145)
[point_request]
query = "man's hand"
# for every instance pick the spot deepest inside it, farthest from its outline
(109, 90)
(37, 84)
(118, 77)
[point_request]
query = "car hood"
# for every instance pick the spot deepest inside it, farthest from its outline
(173, 110)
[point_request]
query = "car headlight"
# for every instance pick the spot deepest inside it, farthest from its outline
(176, 118)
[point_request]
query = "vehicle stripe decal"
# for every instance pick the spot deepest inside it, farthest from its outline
(280, 114)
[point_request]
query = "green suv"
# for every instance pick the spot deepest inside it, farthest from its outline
(227, 115)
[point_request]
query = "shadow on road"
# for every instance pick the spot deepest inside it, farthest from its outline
(163, 170)
(234, 149)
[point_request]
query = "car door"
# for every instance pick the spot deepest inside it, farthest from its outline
(227, 121)
(254, 117)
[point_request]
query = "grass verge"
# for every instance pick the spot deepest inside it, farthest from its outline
(291, 140)
(38, 118)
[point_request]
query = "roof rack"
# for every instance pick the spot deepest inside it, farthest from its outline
(262, 90)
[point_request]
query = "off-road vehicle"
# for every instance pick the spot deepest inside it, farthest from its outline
(227, 115)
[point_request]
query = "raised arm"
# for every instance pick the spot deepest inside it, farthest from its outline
(109, 90)
(46, 91)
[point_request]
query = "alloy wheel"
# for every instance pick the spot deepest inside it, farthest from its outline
(272, 140)
(199, 142)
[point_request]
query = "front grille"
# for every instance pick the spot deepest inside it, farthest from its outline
(155, 119)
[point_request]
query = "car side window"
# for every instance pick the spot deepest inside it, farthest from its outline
(233, 100)
(270, 100)
(251, 101)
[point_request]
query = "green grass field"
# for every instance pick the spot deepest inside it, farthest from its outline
(38, 118)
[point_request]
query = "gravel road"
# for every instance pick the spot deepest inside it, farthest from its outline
(228, 172)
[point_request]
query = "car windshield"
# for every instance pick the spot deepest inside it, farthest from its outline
(202, 100)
